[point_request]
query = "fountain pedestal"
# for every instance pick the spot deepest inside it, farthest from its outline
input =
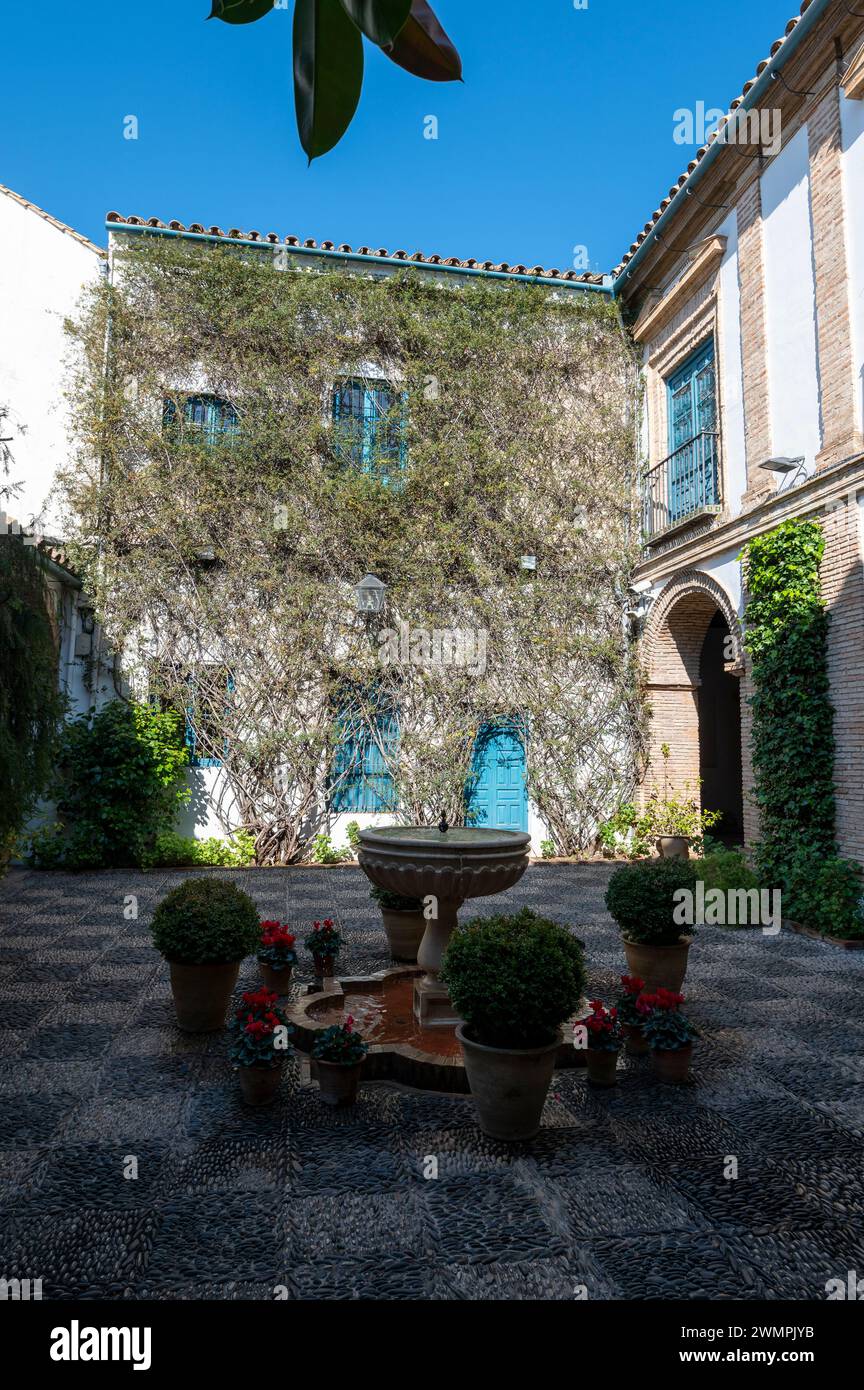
(431, 1000)
(444, 868)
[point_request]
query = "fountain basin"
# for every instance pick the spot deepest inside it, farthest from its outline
(451, 865)
(443, 867)
(401, 1049)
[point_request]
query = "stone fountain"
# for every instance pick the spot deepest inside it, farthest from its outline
(405, 1013)
(444, 867)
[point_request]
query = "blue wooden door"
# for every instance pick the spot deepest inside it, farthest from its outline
(498, 797)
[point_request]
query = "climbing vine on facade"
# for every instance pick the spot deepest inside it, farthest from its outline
(224, 509)
(793, 719)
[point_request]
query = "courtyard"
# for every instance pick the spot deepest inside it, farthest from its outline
(129, 1167)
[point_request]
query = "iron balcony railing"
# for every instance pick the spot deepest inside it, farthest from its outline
(684, 484)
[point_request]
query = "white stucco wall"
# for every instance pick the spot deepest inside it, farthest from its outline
(725, 570)
(790, 299)
(852, 126)
(211, 812)
(43, 270)
(731, 370)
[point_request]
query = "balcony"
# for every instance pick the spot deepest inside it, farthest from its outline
(683, 488)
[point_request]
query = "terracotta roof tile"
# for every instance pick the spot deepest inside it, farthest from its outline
(418, 257)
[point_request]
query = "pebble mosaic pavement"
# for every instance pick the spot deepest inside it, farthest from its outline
(623, 1193)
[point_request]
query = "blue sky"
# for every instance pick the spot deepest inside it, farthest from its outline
(561, 136)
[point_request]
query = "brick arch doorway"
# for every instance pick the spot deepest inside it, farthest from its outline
(692, 652)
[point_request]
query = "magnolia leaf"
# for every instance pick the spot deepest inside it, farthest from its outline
(240, 11)
(328, 73)
(422, 47)
(380, 20)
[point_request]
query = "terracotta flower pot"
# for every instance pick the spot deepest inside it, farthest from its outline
(405, 930)
(634, 1040)
(509, 1085)
(279, 981)
(337, 1083)
(260, 1085)
(602, 1067)
(324, 966)
(672, 1067)
(202, 994)
(673, 846)
(661, 967)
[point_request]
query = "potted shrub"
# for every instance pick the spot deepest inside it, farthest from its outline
(513, 980)
(641, 898)
(604, 1043)
(324, 941)
(339, 1053)
(670, 1035)
(675, 823)
(276, 956)
(204, 929)
(259, 1046)
(403, 922)
(631, 1017)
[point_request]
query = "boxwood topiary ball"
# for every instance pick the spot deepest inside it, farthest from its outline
(641, 898)
(514, 979)
(206, 921)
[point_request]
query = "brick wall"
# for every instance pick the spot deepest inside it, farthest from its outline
(843, 588)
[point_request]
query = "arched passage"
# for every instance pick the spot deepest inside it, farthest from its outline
(692, 652)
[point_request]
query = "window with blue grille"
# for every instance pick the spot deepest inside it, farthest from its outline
(368, 735)
(212, 419)
(693, 464)
(206, 714)
(369, 427)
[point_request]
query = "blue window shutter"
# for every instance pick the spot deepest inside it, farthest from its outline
(216, 419)
(191, 737)
(359, 777)
(693, 467)
(371, 435)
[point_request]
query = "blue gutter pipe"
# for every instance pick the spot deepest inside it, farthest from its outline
(570, 285)
(791, 45)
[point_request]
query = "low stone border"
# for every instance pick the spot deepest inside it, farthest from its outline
(844, 943)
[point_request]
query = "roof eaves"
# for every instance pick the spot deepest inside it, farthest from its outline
(584, 280)
(695, 164)
(54, 221)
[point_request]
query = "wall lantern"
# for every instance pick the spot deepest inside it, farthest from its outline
(781, 465)
(370, 594)
(88, 618)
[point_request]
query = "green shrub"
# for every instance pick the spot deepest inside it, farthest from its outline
(173, 851)
(725, 869)
(547, 849)
(119, 778)
(31, 705)
(395, 902)
(352, 835)
(323, 852)
(825, 894)
(206, 921)
(514, 980)
(619, 834)
(641, 898)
